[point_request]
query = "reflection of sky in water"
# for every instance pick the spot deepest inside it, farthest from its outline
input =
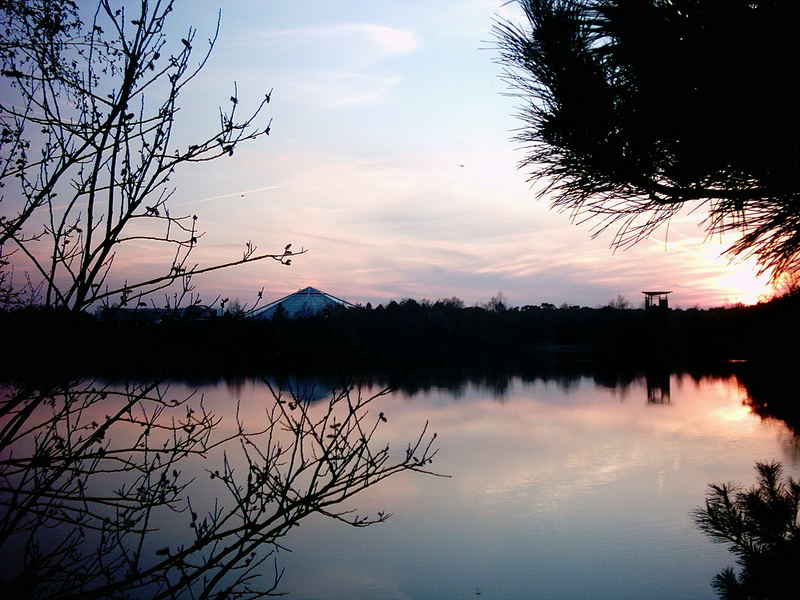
(579, 493)
(583, 495)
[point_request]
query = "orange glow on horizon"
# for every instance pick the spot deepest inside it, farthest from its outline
(745, 286)
(740, 282)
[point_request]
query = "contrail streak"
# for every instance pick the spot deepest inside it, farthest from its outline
(242, 193)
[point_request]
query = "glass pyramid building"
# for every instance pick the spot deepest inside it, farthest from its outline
(303, 303)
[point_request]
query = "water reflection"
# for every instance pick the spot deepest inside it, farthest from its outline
(136, 492)
(772, 396)
(765, 392)
(658, 386)
(575, 485)
(581, 492)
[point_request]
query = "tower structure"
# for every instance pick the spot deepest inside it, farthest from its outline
(656, 300)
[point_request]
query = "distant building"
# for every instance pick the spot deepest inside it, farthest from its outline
(653, 300)
(657, 322)
(303, 303)
(140, 314)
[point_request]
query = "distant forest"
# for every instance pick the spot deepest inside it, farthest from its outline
(405, 335)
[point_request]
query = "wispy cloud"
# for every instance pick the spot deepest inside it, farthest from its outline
(391, 150)
(342, 89)
(336, 65)
(382, 39)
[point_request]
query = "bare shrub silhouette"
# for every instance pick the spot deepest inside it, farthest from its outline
(131, 492)
(89, 144)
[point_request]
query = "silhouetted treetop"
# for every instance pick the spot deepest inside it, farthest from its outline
(633, 108)
(760, 526)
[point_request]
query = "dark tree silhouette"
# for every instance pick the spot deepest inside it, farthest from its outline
(761, 526)
(87, 149)
(634, 109)
(130, 491)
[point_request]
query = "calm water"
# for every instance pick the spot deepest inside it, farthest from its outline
(555, 492)
(560, 490)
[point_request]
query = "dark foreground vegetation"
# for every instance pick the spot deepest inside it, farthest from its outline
(406, 336)
(760, 526)
(418, 345)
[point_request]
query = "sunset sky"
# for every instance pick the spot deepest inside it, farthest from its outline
(391, 161)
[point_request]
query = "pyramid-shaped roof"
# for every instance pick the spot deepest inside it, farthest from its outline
(303, 303)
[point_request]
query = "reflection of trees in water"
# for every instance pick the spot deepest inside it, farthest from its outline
(771, 396)
(128, 491)
(498, 378)
(760, 526)
(658, 387)
(768, 394)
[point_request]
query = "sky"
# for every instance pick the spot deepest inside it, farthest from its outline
(391, 161)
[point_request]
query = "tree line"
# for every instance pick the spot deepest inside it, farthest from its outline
(409, 333)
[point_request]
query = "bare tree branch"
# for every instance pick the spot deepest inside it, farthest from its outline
(85, 153)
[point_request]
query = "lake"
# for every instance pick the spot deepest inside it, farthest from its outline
(572, 486)
(556, 489)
